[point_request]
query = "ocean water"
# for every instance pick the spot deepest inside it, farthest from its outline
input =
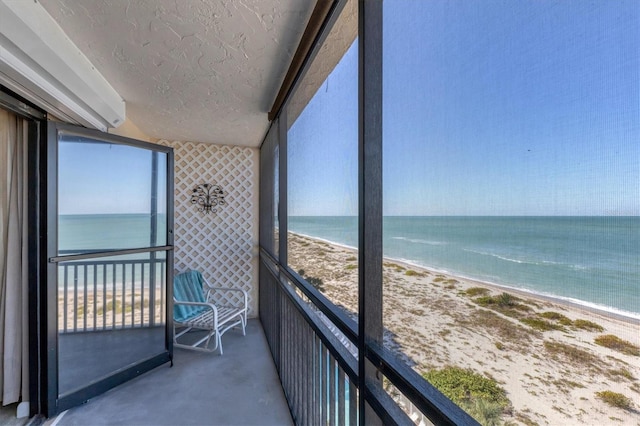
(594, 261)
(102, 232)
(108, 231)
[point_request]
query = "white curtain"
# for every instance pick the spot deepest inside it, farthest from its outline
(13, 260)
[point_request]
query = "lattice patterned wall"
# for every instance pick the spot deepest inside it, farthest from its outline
(222, 245)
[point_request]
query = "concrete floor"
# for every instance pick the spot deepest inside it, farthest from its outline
(87, 357)
(240, 387)
(8, 416)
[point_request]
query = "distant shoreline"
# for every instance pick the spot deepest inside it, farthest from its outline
(606, 311)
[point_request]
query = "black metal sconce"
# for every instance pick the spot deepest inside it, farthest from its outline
(208, 197)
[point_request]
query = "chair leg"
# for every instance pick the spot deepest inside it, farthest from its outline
(206, 345)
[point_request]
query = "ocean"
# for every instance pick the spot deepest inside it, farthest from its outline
(593, 261)
(103, 232)
(108, 231)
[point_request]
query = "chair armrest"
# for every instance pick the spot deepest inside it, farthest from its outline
(205, 304)
(212, 290)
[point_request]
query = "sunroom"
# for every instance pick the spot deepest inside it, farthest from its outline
(432, 208)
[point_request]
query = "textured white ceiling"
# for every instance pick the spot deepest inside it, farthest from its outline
(190, 70)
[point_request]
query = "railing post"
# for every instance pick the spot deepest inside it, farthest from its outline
(152, 289)
(370, 195)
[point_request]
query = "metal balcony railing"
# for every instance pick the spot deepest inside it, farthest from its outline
(314, 346)
(110, 294)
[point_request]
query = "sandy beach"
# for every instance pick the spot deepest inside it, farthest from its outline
(553, 358)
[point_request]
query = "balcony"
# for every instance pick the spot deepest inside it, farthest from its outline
(297, 364)
(240, 387)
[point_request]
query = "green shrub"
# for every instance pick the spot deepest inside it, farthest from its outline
(617, 344)
(485, 300)
(615, 399)
(316, 282)
(506, 300)
(476, 291)
(486, 413)
(540, 324)
(587, 325)
(411, 273)
(393, 265)
(350, 267)
(555, 316)
(480, 396)
(351, 259)
(552, 315)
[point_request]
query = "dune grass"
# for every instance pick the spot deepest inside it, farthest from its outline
(540, 324)
(615, 399)
(587, 325)
(617, 344)
(476, 291)
(578, 357)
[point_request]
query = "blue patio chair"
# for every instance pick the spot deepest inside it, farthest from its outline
(197, 305)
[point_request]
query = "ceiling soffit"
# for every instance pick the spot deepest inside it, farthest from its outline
(197, 70)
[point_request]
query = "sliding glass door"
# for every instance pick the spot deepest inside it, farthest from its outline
(110, 256)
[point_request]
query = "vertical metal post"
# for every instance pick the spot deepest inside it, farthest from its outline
(167, 271)
(142, 294)
(353, 403)
(332, 390)
(50, 292)
(124, 292)
(84, 300)
(113, 297)
(154, 236)
(341, 397)
(308, 378)
(282, 193)
(36, 183)
(95, 297)
(324, 416)
(104, 297)
(75, 298)
(370, 193)
(133, 294)
(66, 297)
(315, 382)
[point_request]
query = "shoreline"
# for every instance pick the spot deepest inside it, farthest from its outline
(594, 308)
(552, 358)
(604, 311)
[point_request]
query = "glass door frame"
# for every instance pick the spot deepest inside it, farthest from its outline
(49, 291)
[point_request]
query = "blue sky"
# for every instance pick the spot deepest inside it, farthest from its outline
(101, 178)
(490, 108)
